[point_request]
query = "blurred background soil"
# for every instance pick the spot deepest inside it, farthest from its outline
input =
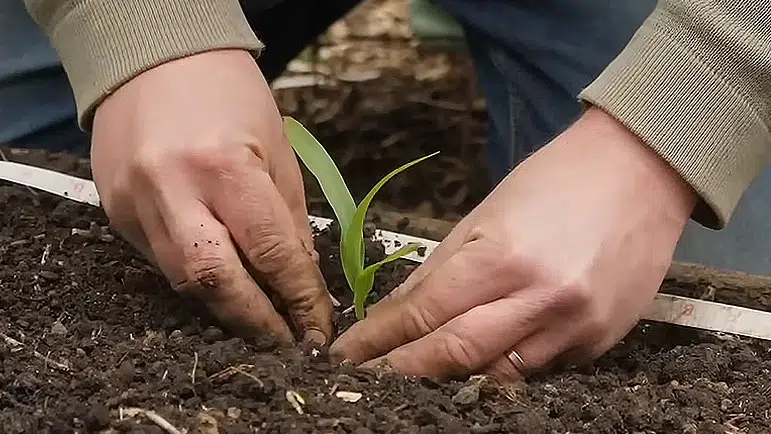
(377, 98)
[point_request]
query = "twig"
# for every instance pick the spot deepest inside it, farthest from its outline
(401, 407)
(195, 366)
(46, 360)
(154, 417)
(232, 370)
(46, 252)
(247, 374)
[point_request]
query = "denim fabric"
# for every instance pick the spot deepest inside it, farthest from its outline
(745, 244)
(37, 108)
(534, 56)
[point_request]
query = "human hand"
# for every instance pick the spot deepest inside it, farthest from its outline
(193, 168)
(558, 263)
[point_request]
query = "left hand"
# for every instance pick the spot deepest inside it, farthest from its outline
(558, 264)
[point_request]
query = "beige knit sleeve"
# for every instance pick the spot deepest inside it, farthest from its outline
(103, 44)
(695, 84)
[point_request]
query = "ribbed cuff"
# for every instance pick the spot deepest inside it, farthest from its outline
(659, 89)
(104, 43)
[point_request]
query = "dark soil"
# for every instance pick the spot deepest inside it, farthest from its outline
(101, 334)
(372, 127)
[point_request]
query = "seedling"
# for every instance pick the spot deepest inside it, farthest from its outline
(350, 217)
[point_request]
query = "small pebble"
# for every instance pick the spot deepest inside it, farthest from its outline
(468, 394)
(207, 424)
(58, 329)
(725, 405)
(234, 413)
(212, 334)
(176, 334)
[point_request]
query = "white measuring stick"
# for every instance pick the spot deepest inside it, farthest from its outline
(666, 308)
(60, 184)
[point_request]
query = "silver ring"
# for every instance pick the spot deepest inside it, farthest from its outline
(517, 361)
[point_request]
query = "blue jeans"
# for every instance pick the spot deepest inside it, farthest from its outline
(36, 104)
(532, 58)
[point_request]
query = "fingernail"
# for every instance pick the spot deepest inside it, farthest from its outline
(314, 337)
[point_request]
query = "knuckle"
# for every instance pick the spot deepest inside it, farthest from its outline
(147, 165)
(418, 321)
(155, 161)
(578, 299)
(218, 160)
(499, 258)
(510, 264)
(308, 298)
(575, 295)
(204, 276)
(271, 253)
(597, 322)
(459, 353)
(207, 159)
(512, 261)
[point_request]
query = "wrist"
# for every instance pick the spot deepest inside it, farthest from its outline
(625, 155)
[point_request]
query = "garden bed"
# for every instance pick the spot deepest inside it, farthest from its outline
(95, 333)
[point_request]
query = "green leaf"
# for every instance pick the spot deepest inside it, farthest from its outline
(352, 239)
(321, 165)
(323, 168)
(365, 279)
(349, 216)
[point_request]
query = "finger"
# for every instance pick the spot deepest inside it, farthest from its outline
(132, 232)
(196, 253)
(538, 352)
(289, 183)
(472, 277)
(284, 169)
(121, 210)
(473, 340)
(262, 225)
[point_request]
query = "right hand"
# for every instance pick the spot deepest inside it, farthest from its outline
(193, 168)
